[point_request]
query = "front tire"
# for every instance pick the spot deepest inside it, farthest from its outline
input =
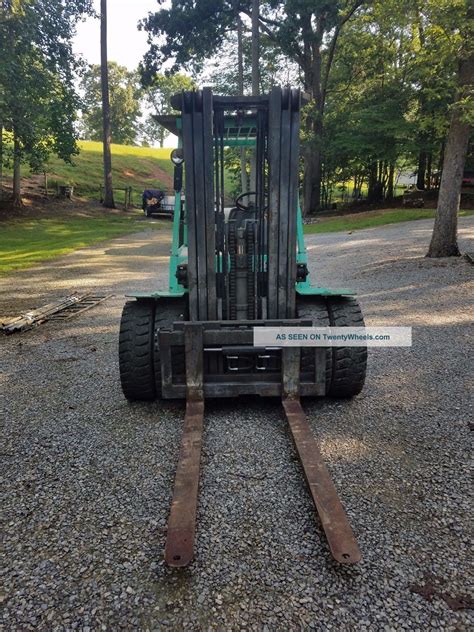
(349, 364)
(136, 350)
(345, 366)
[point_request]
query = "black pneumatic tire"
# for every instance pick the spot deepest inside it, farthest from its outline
(314, 308)
(345, 366)
(136, 343)
(167, 312)
(349, 364)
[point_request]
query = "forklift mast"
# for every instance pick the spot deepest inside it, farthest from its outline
(260, 237)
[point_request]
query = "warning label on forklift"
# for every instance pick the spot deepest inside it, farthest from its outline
(332, 336)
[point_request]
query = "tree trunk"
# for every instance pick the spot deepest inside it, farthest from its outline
(372, 183)
(421, 171)
(108, 187)
(391, 178)
(444, 239)
(240, 56)
(313, 155)
(17, 203)
(240, 88)
(440, 163)
(255, 48)
(255, 84)
(316, 83)
(1, 160)
(429, 169)
(312, 180)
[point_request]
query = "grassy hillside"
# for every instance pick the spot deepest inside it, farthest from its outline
(136, 167)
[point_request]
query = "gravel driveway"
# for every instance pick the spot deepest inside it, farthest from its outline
(87, 477)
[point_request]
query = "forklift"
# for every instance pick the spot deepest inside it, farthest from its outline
(232, 271)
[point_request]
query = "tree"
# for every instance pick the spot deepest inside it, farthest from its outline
(108, 201)
(38, 101)
(391, 80)
(380, 74)
(368, 101)
(255, 47)
(124, 102)
(461, 22)
(307, 32)
(432, 72)
(444, 239)
(157, 95)
(230, 71)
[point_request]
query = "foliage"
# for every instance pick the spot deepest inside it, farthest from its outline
(38, 100)
(300, 30)
(157, 97)
(381, 75)
(124, 103)
(221, 72)
(189, 33)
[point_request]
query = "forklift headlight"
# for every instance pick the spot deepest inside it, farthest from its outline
(177, 157)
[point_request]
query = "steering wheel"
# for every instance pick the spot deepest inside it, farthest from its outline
(239, 198)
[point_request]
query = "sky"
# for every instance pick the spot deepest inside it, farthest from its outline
(126, 45)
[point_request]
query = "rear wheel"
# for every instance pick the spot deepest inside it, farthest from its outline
(136, 342)
(345, 366)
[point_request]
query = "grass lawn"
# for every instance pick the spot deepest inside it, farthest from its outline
(371, 219)
(25, 243)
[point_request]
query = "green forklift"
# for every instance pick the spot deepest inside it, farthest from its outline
(233, 270)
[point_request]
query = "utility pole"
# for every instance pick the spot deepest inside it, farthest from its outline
(104, 75)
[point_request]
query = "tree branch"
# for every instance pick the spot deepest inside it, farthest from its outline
(332, 48)
(296, 49)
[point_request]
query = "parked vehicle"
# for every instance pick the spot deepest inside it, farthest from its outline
(152, 201)
(468, 178)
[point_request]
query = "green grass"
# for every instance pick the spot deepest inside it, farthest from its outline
(27, 242)
(136, 167)
(371, 219)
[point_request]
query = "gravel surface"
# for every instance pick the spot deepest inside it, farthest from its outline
(87, 477)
